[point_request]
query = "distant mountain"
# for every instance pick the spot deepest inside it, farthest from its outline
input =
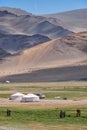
(20, 30)
(15, 43)
(61, 59)
(15, 11)
(75, 20)
(3, 53)
(16, 21)
(43, 48)
(50, 30)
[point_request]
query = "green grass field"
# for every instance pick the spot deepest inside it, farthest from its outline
(47, 117)
(44, 117)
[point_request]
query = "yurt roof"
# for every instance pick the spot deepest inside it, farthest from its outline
(17, 94)
(32, 95)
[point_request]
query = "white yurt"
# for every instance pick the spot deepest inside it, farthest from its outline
(16, 96)
(30, 98)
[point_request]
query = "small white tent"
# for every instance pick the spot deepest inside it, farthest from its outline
(30, 98)
(16, 96)
(7, 81)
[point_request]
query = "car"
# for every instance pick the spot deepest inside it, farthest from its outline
(41, 95)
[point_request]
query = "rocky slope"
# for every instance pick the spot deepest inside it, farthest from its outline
(62, 56)
(16, 43)
(75, 20)
(28, 24)
(20, 30)
(65, 56)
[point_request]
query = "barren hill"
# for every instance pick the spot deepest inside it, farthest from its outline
(15, 43)
(16, 21)
(75, 20)
(3, 53)
(14, 11)
(64, 56)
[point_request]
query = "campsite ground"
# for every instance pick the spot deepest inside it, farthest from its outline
(44, 115)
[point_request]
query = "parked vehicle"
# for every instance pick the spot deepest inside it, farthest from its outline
(41, 95)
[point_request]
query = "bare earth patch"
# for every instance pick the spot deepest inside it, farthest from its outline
(43, 103)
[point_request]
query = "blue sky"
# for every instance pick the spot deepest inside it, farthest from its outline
(45, 6)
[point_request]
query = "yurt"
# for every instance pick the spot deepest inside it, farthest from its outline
(16, 96)
(30, 98)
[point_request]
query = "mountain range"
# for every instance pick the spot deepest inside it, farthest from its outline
(75, 20)
(42, 48)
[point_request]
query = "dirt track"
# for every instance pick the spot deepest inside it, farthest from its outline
(43, 102)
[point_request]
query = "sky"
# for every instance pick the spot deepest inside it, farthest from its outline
(45, 6)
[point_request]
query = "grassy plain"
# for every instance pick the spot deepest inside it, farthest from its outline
(47, 118)
(44, 117)
(71, 90)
